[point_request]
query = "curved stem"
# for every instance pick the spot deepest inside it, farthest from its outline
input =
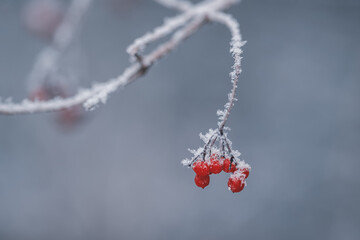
(235, 50)
(236, 45)
(231, 104)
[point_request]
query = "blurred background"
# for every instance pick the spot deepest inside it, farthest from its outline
(116, 174)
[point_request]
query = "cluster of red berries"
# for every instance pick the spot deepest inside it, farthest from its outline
(216, 165)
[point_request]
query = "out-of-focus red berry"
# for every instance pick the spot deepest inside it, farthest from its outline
(70, 117)
(236, 183)
(201, 168)
(202, 181)
(226, 166)
(123, 6)
(42, 17)
(39, 94)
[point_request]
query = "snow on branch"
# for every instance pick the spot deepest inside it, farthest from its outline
(235, 49)
(173, 23)
(219, 135)
(99, 92)
(139, 69)
(236, 44)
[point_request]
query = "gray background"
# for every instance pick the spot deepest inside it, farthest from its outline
(118, 174)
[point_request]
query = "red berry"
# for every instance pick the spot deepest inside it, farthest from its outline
(214, 156)
(245, 171)
(236, 183)
(69, 117)
(201, 168)
(202, 181)
(227, 166)
(215, 166)
(42, 17)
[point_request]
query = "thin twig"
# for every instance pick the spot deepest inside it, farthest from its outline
(236, 44)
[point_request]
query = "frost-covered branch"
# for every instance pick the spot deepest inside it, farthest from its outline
(139, 69)
(235, 49)
(99, 92)
(236, 44)
(217, 154)
(220, 135)
(206, 152)
(173, 23)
